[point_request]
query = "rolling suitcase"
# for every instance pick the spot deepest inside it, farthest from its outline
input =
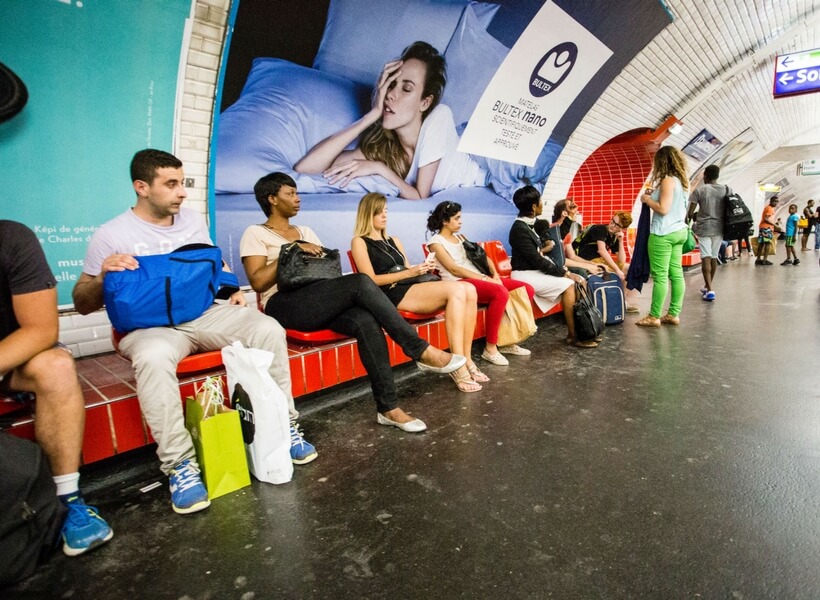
(607, 293)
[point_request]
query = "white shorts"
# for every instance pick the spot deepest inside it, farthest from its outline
(548, 288)
(710, 245)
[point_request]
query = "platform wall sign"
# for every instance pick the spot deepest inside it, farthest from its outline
(547, 68)
(810, 167)
(797, 73)
(102, 83)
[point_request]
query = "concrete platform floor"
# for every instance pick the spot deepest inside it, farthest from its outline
(671, 463)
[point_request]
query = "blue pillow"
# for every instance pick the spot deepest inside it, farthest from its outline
(473, 57)
(506, 177)
(283, 111)
(362, 35)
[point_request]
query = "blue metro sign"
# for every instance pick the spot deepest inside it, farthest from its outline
(797, 73)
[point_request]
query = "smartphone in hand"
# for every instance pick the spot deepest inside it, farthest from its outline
(431, 258)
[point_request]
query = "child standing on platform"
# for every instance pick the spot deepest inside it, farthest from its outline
(791, 236)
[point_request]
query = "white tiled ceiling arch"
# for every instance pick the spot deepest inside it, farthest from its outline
(713, 68)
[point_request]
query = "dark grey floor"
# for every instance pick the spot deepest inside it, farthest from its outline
(673, 463)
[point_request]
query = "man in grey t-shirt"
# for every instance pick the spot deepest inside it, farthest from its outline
(708, 201)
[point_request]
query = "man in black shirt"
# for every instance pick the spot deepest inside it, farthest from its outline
(32, 360)
(597, 243)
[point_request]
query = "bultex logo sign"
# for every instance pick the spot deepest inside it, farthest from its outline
(553, 69)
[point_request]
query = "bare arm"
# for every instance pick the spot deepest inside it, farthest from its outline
(263, 276)
(667, 191)
(607, 257)
(571, 259)
(450, 265)
(358, 248)
(329, 151)
(693, 207)
(350, 165)
(36, 313)
(622, 247)
(88, 291)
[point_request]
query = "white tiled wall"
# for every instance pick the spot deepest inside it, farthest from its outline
(713, 68)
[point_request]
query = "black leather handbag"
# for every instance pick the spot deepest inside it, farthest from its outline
(297, 268)
(589, 323)
(477, 256)
(423, 278)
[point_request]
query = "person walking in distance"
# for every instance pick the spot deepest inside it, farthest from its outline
(708, 202)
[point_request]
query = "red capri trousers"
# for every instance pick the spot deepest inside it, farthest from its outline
(495, 297)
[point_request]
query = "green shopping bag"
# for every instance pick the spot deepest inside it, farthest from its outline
(217, 437)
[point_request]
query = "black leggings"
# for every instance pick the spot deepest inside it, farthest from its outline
(352, 305)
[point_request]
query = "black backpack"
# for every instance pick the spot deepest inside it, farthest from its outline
(737, 218)
(31, 515)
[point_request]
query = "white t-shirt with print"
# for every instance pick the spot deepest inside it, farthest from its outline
(128, 234)
(438, 140)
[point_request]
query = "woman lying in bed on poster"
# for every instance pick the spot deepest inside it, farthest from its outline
(407, 137)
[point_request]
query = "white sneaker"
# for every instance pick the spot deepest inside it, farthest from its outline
(514, 349)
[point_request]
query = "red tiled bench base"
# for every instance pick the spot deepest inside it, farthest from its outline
(691, 259)
(114, 423)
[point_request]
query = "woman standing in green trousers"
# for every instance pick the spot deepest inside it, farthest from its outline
(667, 232)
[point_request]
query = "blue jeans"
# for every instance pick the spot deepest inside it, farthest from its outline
(355, 306)
(665, 252)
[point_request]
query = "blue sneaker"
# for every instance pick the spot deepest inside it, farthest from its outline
(709, 296)
(188, 494)
(83, 529)
(301, 452)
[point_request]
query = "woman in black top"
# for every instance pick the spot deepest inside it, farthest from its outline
(551, 282)
(382, 258)
(350, 305)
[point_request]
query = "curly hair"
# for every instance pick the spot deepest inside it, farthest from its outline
(382, 145)
(669, 162)
(442, 213)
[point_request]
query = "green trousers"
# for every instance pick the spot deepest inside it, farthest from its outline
(665, 253)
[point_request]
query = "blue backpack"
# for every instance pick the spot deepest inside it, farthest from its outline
(166, 289)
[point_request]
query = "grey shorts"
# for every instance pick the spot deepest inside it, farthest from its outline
(709, 245)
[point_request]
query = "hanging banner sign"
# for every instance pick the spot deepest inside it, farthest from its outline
(797, 73)
(544, 72)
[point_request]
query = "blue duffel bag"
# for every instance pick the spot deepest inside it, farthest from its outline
(166, 289)
(607, 293)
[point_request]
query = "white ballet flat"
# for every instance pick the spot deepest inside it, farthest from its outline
(414, 426)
